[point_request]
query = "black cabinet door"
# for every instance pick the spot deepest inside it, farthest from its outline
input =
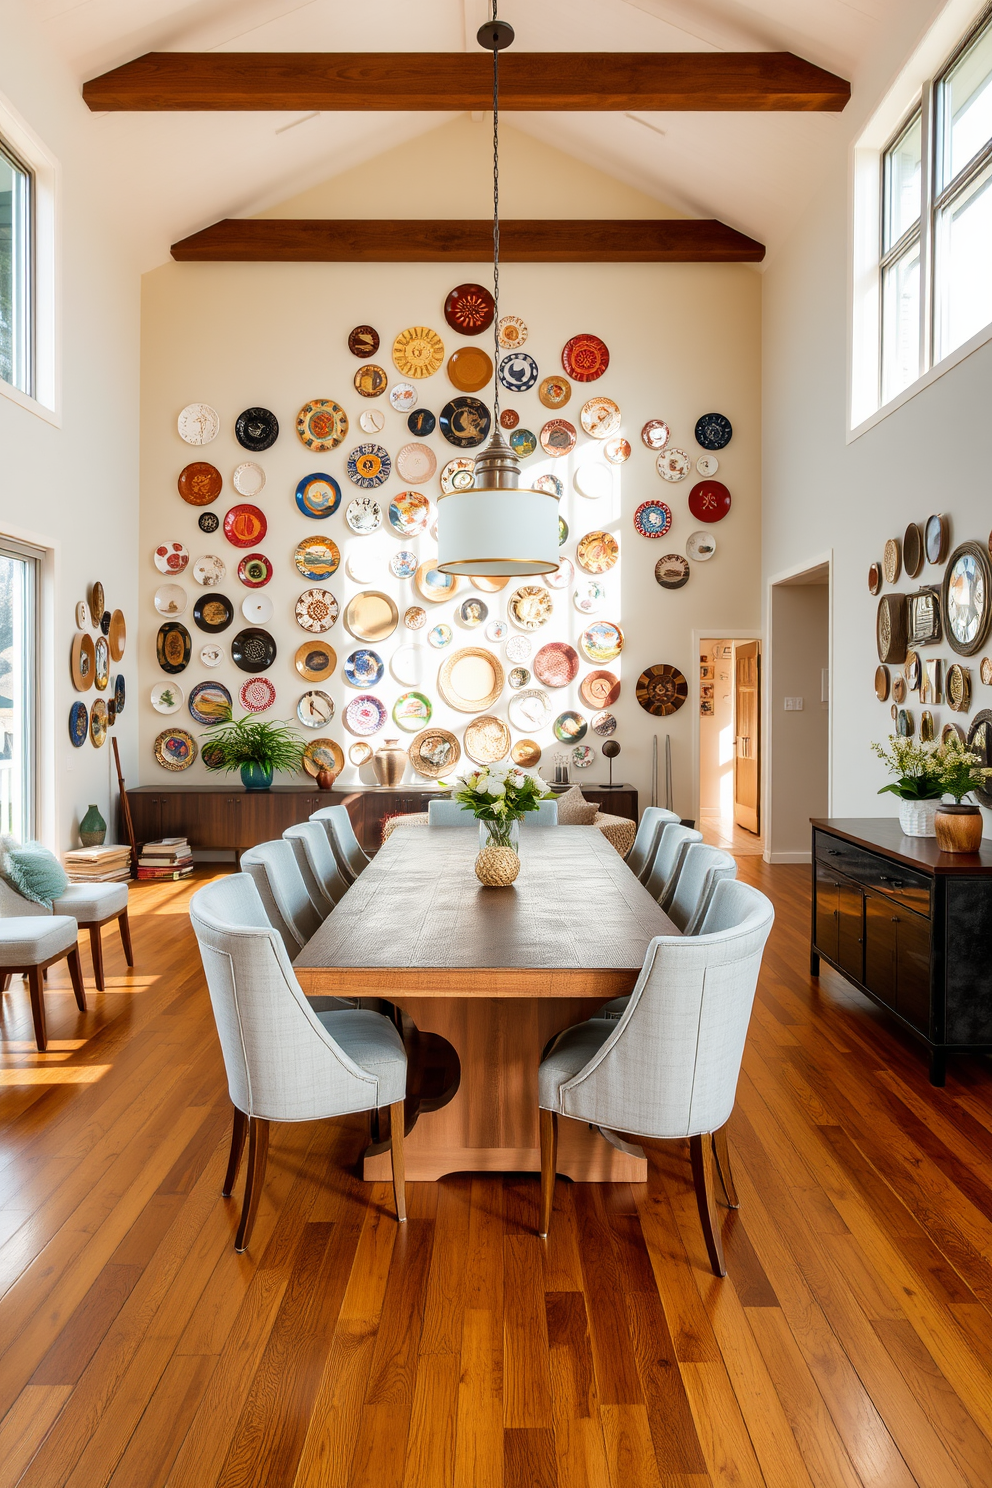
(913, 971)
(826, 916)
(881, 926)
(850, 928)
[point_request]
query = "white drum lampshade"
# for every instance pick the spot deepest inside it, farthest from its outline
(495, 529)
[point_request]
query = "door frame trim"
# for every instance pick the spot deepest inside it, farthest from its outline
(721, 633)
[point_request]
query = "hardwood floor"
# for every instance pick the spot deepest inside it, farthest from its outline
(849, 1347)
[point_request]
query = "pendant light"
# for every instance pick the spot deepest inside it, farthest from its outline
(497, 529)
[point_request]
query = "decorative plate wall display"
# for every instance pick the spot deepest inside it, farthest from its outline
(589, 597)
(170, 599)
(323, 754)
(471, 680)
(511, 332)
(253, 650)
(175, 749)
(673, 464)
(523, 442)
(173, 646)
(167, 697)
(653, 518)
(365, 715)
(617, 451)
(966, 597)
(600, 689)
(518, 372)
(418, 352)
(458, 475)
(700, 546)
(317, 557)
(597, 552)
(434, 752)
(487, 740)
(874, 578)
(209, 702)
(469, 308)
(602, 641)
(556, 664)
(661, 690)
(558, 437)
(470, 369)
(79, 724)
(369, 466)
(99, 722)
(530, 711)
(416, 462)
(530, 606)
(200, 483)
(655, 434)
(82, 661)
(209, 570)
(255, 570)
(363, 341)
(321, 424)
(371, 616)
(363, 515)
(714, 431)
(257, 609)
(213, 613)
(315, 709)
(600, 417)
(890, 629)
(912, 550)
(708, 465)
(672, 571)
(585, 357)
(370, 380)
(316, 610)
(411, 711)
(569, 727)
(318, 495)
(465, 422)
(371, 420)
(709, 501)
(891, 560)
(434, 585)
(526, 753)
(364, 668)
(170, 558)
(315, 661)
(199, 423)
(604, 724)
(208, 521)
(256, 429)
(403, 396)
(937, 538)
(555, 392)
(245, 526)
(882, 683)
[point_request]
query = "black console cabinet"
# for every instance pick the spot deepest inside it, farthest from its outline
(911, 927)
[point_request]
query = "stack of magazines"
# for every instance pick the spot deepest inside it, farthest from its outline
(172, 857)
(97, 864)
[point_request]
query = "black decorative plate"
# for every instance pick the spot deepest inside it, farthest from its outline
(208, 522)
(714, 431)
(661, 690)
(421, 422)
(253, 650)
(173, 645)
(213, 612)
(256, 429)
(465, 422)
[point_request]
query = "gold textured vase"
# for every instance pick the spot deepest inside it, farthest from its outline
(958, 829)
(497, 867)
(389, 762)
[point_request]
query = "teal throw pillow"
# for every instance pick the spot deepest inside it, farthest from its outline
(35, 872)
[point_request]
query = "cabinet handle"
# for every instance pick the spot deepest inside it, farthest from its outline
(833, 852)
(895, 919)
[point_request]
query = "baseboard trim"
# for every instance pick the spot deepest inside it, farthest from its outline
(787, 857)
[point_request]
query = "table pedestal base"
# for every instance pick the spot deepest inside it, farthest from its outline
(490, 1123)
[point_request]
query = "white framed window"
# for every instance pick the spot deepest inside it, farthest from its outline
(29, 184)
(20, 575)
(17, 316)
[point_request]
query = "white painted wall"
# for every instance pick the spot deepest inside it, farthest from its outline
(797, 653)
(71, 485)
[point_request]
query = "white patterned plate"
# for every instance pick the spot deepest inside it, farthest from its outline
(199, 423)
(416, 462)
(212, 655)
(315, 709)
(167, 697)
(372, 421)
(363, 515)
(403, 396)
(497, 630)
(593, 481)
(673, 464)
(530, 710)
(590, 597)
(316, 610)
(707, 464)
(257, 609)
(209, 570)
(171, 600)
(457, 475)
(249, 478)
(563, 576)
(170, 558)
(518, 648)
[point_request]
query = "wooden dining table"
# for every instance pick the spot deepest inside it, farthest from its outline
(484, 978)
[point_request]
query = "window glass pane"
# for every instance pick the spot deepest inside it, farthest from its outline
(17, 651)
(15, 260)
(966, 106)
(902, 185)
(963, 265)
(901, 323)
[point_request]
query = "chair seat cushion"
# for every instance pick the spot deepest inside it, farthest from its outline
(619, 831)
(615, 1008)
(574, 1049)
(27, 940)
(90, 902)
(374, 1044)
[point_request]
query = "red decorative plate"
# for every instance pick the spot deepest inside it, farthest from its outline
(558, 437)
(709, 501)
(556, 664)
(585, 357)
(470, 308)
(509, 418)
(254, 570)
(257, 694)
(600, 689)
(200, 483)
(245, 525)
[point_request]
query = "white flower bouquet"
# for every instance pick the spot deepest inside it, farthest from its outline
(500, 795)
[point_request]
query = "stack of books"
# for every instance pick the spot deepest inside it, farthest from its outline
(172, 857)
(97, 864)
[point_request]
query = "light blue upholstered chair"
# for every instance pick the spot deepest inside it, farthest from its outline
(454, 814)
(284, 896)
(325, 883)
(702, 869)
(351, 858)
(546, 815)
(284, 1061)
(667, 1069)
(673, 840)
(641, 854)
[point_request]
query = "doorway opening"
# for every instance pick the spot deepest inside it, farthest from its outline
(797, 709)
(730, 810)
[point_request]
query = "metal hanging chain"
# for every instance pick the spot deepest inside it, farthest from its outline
(496, 223)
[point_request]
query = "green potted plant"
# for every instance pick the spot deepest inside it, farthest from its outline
(255, 746)
(918, 773)
(958, 826)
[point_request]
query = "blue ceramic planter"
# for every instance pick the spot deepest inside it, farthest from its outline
(256, 777)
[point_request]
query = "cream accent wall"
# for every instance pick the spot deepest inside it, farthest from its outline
(684, 340)
(799, 739)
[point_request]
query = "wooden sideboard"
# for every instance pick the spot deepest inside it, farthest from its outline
(910, 927)
(618, 800)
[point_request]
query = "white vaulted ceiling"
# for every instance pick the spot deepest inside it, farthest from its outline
(184, 170)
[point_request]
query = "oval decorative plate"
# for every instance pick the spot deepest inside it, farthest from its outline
(434, 585)
(370, 380)
(415, 618)
(403, 396)
(899, 690)
(167, 697)
(593, 481)
(523, 442)
(315, 709)
(318, 495)
(526, 753)
(211, 655)
(253, 650)
(209, 570)
(364, 715)
(245, 525)
(363, 515)
(708, 465)
(891, 560)
(653, 518)
(472, 612)
(471, 680)
(530, 711)
(411, 711)
(518, 677)
(597, 552)
(403, 563)
(208, 521)
(469, 308)
(882, 683)
(556, 664)
(363, 341)
(434, 752)
(714, 431)
(602, 641)
(364, 668)
(549, 484)
(317, 557)
(655, 434)
(99, 722)
(175, 749)
(617, 451)
(198, 423)
(912, 550)
(170, 599)
(518, 371)
(316, 610)
(173, 645)
(170, 558)
(569, 727)
(82, 615)
(465, 422)
(321, 424)
(323, 754)
(97, 603)
(563, 575)
(700, 546)
(254, 570)
(585, 357)
(604, 724)
(511, 332)
(209, 702)
(672, 571)
(371, 616)
(369, 466)
(709, 501)
(589, 597)
(315, 661)
(416, 462)
(101, 663)
(487, 740)
(599, 689)
(458, 474)
(213, 613)
(937, 537)
(440, 636)
(256, 429)
(530, 606)
(470, 369)
(661, 690)
(558, 437)
(673, 464)
(600, 417)
(418, 352)
(117, 635)
(874, 578)
(257, 609)
(200, 483)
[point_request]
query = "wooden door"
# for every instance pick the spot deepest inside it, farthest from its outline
(747, 734)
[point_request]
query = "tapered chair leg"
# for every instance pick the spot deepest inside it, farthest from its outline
(6, 982)
(258, 1151)
(76, 974)
(237, 1147)
(721, 1151)
(96, 950)
(702, 1177)
(125, 930)
(549, 1167)
(37, 991)
(397, 1117)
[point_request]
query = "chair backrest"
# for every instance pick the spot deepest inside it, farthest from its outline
(730, 905)
(642, 852)
(347, 850)
(14, 905)
(282, 1064)
(670, 1065)
(284, 896)
(702, 868)
(546, 815)
(673, 839)
(325, 883)
(449, 814)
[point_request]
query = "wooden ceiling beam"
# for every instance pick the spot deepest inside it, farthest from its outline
(319, 240)
(432, 81)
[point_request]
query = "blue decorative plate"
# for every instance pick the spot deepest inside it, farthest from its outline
(440, 636)
(119, 692)
(318, 495)
(653, 518)
(518, 371)
(523, 442)
(209, 702)
(369, 466)
(364, 668)
(714, 431)
(79, 724)
(421, 422)
(465, 422)
(403, 563)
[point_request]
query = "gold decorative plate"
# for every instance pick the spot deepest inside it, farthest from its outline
(315, 661)
(487, 740)
(530, 606)
(470, 369)
(471, 680)
(82, 661)
(597, 552)
(526, 752)
(323, 754)
(371, 616)
(117, 635)
(434, 752)
(321, 424)
(555, 392)
(418, 351)
(370, 380)
(432, 585)
(100, 722)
